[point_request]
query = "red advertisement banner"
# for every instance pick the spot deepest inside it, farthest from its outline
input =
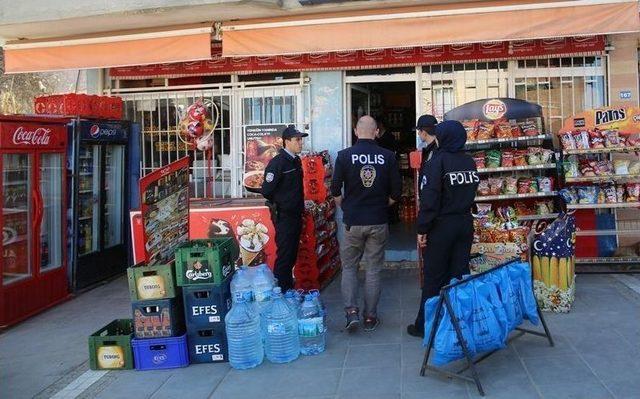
(353, 59)
(165, 211)
(242, 223)
(30, 135)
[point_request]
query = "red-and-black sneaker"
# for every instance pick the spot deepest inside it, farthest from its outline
(370, 323)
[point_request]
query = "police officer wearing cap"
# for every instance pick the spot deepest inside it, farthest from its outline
(370, 178)
(283, 190)
(448, 187)
(426, 129)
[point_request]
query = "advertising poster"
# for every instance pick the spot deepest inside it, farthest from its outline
(165, 211)
(624, 119)
(250, 226)
(262, 143)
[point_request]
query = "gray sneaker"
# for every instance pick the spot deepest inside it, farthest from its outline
(353, 320)
(370, 323)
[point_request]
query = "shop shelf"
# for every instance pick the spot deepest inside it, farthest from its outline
(595, 233)
(110, 347)
(510, 139)
(517, 168)
(515, 196)
(538, 217)
(15, 183)
(604, 206)
(601, 179)
(602, 150)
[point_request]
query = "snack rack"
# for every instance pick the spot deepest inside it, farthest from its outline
(518, 169)
(601, 179)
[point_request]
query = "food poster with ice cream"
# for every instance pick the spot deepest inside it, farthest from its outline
(165, 211)
(261, 143)
(250, 227)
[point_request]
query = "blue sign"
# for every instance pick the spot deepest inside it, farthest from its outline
(104, 131)
(625, 94)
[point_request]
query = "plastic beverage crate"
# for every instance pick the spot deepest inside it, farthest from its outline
(160, 353)
(110, 347)
(208, 345)
(206, 305)
(158, 318)
(151, 282)
(205, 261)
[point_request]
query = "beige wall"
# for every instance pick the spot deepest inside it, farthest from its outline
(623, 67)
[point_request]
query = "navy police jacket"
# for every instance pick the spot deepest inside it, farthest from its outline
(283, 183)
(370, 177)
(449, 181)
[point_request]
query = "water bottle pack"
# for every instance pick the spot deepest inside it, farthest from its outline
(487, 309)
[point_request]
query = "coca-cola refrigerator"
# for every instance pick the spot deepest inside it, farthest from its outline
(33, 274)
(98, 200)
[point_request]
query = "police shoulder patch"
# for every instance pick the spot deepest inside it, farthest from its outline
(269, 177)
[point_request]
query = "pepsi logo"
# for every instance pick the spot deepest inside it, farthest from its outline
(494, 109)
(94, 131)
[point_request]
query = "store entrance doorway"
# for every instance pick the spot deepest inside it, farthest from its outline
(393, 105)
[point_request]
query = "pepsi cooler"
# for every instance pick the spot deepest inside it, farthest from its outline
(98, 197)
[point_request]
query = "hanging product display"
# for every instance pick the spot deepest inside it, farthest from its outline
(601, 183)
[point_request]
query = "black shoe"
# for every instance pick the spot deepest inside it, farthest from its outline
(370, 323)
(415, 331)
(353, 320)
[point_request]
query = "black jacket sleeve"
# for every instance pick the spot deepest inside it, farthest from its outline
(396, 180)
(271, 179)
(430, 196)
(338, 178)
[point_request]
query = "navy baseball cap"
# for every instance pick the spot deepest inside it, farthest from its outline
(426, 121)
(291, 132)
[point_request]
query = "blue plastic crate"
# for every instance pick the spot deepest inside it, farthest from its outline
(208, 345)
(206, 305)
(160, 353)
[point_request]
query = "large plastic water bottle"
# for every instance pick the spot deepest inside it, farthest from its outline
(311, 327)
(293, 299)
(262, 285)
(241, 284)
(244, 338)
(280, 330)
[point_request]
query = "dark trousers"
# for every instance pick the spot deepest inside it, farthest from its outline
(446, 256)
(288, 228)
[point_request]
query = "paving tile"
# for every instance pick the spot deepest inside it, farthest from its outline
(583, 390)
(556, 369)
(613, 366)
(412, 355)
(370, 381)
(389, 331)
(278, 381)
(523, 391)
(369, 396)
(534, 346)
(624, 388)
(200, 379)
(129, 384)
(432, 384)
(602, 342)
(373, 356)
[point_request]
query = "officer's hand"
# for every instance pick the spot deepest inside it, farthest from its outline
(422, 240)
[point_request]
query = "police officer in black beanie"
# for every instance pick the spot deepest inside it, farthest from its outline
(445, 225)
(284, 192)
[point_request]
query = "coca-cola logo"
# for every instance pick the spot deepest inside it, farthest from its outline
(494, 109)
(95, 132)
(39, 136)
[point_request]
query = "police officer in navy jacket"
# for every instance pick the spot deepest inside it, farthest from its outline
(284, 191)
(370, 178)
(445, 225)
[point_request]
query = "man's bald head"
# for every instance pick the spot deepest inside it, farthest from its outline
(366, 128)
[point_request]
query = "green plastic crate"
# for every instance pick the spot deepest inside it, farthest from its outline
(205, 261)
(110, 347)
(152, 282)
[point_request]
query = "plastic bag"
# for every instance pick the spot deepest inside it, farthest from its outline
(488, 332)
(508, 298)
(520, 274)
(447, 347)
(430, 307)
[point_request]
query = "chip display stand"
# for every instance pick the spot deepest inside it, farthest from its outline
(601, 184)
(443, 300)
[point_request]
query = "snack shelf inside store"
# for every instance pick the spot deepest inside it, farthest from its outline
(601, 176)
(515, 196)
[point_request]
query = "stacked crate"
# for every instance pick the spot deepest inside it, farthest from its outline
(110, 347)
(204, 269)
(158, 319)
(318, 255)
